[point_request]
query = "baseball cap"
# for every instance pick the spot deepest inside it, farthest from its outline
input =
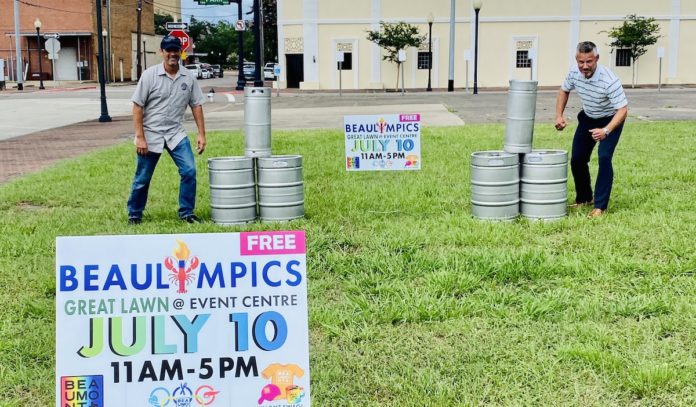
(170, 42)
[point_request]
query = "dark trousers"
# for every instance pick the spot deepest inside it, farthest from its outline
(583, 144)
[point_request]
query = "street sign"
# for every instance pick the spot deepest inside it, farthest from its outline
(176, 26)
(402, 55)
(214, 2)
(186, 42)
(276, 70)
(52, 46)
(240, 25)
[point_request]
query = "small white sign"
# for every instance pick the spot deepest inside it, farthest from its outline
(660, 52)
(467, 55)
(240, 25)
(532, 54)
(339, 56)
(402, 55)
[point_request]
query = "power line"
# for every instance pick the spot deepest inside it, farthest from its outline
(26, 3)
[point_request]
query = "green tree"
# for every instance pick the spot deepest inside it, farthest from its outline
(160, 23)
(395, 37)
(635, 34)
(270, 30)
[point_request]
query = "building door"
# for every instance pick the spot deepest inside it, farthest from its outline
(295, 69)
(66, 65)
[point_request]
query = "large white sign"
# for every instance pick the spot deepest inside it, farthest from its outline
(382, 142)
(182, 320)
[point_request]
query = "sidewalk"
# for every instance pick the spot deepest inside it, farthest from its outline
(36, 151)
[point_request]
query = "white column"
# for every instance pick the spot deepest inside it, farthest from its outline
(376, 51)
(311, 44)
(673, 56)
(574, 33)
(280, 4)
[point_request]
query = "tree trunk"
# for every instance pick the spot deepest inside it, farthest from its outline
(633, 80)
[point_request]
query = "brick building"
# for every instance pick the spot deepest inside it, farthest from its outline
(73, 23)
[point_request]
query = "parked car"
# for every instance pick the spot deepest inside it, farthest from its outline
(196, 69)
(249, 70)
(269, 71)
(217, 70)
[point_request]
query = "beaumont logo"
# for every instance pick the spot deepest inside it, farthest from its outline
(82, 391)
(180, 273)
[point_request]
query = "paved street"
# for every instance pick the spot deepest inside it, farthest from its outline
(40, 127)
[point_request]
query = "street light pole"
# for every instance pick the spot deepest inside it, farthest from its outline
(100, 65)
(430, 49)
(477, 7)
(241, 80)
(106, 59)
(37, 25)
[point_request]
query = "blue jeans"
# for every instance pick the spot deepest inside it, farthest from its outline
(583, 144)
(145, 167)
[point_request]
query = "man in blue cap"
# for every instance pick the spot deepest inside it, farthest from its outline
(159, 104)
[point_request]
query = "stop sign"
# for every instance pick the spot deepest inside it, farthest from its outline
(185, 39)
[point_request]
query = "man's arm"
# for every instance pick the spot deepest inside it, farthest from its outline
(561, 102)
(200, 123)
(619, 117)
(140, 142)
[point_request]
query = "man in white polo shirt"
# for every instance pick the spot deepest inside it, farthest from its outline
(159, 102)
(604, 111)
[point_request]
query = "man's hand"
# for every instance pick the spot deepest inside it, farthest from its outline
(598, 134)
(140, 145)
(200, 143)
(560, 123)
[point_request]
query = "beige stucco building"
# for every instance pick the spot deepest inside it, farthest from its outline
(168, 7)
(310, 32)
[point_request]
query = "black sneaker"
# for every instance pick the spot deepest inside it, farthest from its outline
(191, 219)
(134, 221)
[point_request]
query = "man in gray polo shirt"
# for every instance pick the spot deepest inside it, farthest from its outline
(159, 102)
(601, 121)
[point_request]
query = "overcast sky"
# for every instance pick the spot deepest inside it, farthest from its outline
(212, 13)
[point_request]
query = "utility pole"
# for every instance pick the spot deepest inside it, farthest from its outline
(258, 44)
(20, 61)
(139, 67)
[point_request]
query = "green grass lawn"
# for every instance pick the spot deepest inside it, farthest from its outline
(411, 301)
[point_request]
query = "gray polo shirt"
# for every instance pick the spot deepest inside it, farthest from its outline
(164, 102)
(602, 94)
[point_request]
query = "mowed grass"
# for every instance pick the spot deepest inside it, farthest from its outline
(411, 301)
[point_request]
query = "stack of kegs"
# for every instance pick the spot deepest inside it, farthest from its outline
(501, 188)
(258, 185)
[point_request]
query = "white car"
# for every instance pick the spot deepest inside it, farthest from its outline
(268, 71)
(206, 74)
(196, 69)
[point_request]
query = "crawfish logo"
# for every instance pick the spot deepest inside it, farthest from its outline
(180, 273)
(381, 125)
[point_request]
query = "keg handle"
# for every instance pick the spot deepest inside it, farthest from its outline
(257, 90)
(279, 164)
(496, 162)
(534, 158)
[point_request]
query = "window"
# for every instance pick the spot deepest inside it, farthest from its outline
(623, 57)
(424, 61)
(523, 59)
(347, 62)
